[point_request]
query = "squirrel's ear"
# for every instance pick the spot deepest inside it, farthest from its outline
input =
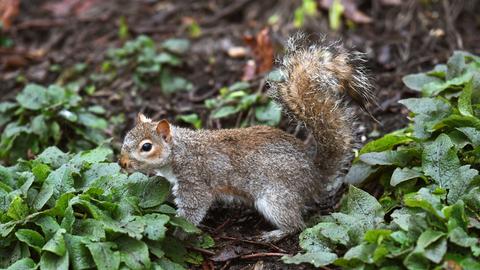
(163, 129)
(141, 118)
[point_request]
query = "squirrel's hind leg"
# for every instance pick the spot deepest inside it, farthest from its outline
(284, 210)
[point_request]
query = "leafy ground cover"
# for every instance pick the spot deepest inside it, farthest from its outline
(428, 214)
(78, 211)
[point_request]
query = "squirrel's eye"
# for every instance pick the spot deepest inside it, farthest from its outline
(146, 147)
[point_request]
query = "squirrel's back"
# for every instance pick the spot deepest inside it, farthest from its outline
(318, 82)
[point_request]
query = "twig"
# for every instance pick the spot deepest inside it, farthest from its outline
(225, 265)
(262, 254)
(270, 245)
(202, 250)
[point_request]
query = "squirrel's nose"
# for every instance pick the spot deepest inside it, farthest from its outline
(124, 161)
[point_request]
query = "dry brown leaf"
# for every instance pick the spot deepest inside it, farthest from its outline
(262, 49)
(9, 9)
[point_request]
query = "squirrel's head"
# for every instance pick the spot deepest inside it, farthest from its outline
(147, 146)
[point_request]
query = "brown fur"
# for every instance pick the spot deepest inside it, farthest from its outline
(262, 166)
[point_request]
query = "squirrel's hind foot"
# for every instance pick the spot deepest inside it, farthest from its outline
(272, 236)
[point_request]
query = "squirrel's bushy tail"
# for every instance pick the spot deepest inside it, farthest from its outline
(317, 80)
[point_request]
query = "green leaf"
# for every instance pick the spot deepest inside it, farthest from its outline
(134, 253)
(387, 142)
(50, 261)
(105, 255)
(461, 238)
(429, 112)
(80, 257)
(178, 46)
(49, 226)
(192, 119)
(96, 155)
(417, 81)
(472, 134)
(362, 252)
(23, 264)
(318, 259)
(171, 84)
(184, 224)
(31, 238)
(39, 126)
(224, 112)
(151, 192)
(465, 100)
(56, 244)
(403, 174)
(18, 209)
(269, 114)
(155, 226)
(425, 200)
(53, 156)
(390, 157)
(58, 182)
(359, 172)
(92, 121)
(440, 161)
(436, 251)
(464, 177)
(33, 97)
(360, 202)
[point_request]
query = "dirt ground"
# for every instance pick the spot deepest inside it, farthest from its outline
(402, 37)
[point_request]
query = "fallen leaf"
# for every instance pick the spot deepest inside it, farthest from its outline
(262, 49)
(8, 12)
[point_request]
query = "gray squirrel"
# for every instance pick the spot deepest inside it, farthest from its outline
(262, 166)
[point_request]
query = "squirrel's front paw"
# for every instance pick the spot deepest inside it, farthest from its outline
(272, 236)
